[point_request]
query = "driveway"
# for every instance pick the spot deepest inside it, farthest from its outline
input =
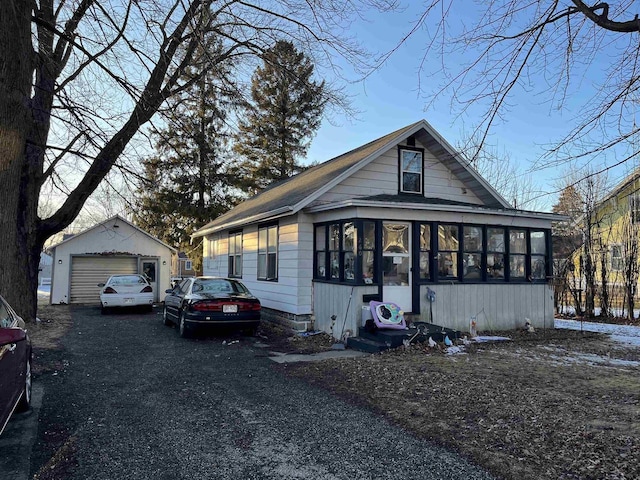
(128, 399)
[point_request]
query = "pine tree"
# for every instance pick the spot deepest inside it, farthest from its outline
(187, 183)
(284, 114)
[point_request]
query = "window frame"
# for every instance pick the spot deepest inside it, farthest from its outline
(457, 252)
(634, 207)
(619, 259)
(264, 276)
(401, 171)
(233, 271)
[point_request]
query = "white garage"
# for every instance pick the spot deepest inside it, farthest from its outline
(114, 246)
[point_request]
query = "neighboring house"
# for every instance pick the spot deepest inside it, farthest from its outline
(404, 219)
(113, 246)
(45, 269)
(182, 266)
(613, 236)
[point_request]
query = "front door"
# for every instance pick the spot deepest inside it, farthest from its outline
(396, 264)
(150, 269)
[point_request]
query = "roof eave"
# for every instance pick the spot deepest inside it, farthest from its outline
(272, 215)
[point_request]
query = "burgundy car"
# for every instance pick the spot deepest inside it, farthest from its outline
(208, 302)
(15, 364)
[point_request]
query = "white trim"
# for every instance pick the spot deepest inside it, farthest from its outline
(272, 215)
(435, 207)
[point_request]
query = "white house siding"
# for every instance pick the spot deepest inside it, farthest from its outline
(381, 177)
(495, 306)
(106, 239)
(332, 299)
(292, 292)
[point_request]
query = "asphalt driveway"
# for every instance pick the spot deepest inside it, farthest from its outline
(128, 399)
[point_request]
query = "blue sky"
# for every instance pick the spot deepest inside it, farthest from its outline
(389, 99)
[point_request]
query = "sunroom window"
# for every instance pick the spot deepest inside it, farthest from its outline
(495, 253)
(517, 253)
(448, 248)
(538, 255)
(368, 252)
(472, 258)
(425, 252)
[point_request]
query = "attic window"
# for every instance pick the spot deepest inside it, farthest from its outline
(411, 170)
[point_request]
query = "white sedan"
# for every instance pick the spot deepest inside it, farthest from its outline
(126, 291)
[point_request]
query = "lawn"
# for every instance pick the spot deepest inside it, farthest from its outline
(547, 405)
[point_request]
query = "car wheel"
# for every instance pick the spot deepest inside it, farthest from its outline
(165, 318)
(25, 400)
(184, 333)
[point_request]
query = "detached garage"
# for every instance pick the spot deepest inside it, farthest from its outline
(114, 246)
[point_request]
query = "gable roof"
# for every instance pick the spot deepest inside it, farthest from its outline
(115, 219)
(291, 195)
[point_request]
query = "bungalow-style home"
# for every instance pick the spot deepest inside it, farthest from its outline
(114, 246)
(403, 219)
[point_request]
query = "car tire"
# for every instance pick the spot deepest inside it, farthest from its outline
(165, 318)
(182, 328)
(104, 310)
(25, 400)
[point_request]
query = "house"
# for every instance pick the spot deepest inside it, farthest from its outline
(609, 251)
(182, 266)
(404, 219)
(114, 246)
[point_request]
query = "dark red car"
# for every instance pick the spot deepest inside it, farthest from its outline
(210, 302)
(15, 364)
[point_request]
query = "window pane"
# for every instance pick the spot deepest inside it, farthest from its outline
(472, 239)
(367, 267)
(447, 264)
(411, 182)
(320, 238)
(518, 241)
(425, 272)
(334, 237)
(348, 240)
(425, 238)
(369, 237)
(538, 244)
(471, 266)
(538, 270)
(448, 237)
(395, 270)
(411, 161)
(272, 266)
(238, 265)
(349, 266)
(516, 266)
(320, 264)
(273, 239)
(495, 239)
(262, 265)
(395, 238)
(495, 266)
(262, 240)
(335, 264)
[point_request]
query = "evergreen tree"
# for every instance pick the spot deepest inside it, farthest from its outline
(187, 183)
(285, 112)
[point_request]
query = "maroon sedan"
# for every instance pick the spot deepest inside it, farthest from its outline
(15, 364)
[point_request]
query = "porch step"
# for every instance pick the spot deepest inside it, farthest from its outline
(366, 345)
(381, 339)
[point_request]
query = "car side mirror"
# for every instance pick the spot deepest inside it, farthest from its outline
(11, 335)
(101, 284)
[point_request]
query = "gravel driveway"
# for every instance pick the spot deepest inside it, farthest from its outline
(129, 399)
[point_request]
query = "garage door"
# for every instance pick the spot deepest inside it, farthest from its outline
(88, 272)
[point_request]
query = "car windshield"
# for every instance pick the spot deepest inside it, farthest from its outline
(127, 280)
(218, 286)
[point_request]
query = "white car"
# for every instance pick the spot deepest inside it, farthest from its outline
(126, 291)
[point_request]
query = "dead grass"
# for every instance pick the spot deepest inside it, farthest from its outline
(533, 408)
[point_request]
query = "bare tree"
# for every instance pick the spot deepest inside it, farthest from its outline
(79, 80)
(544, 50)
